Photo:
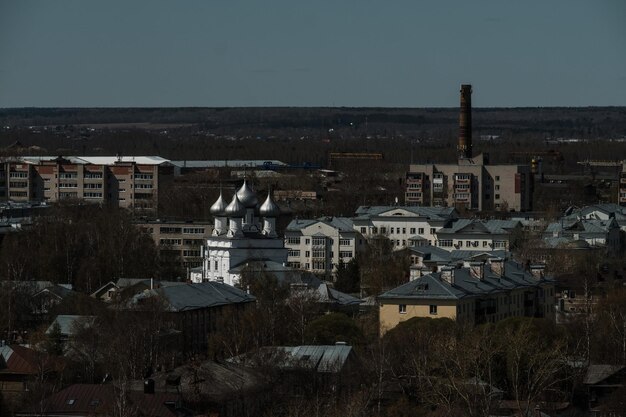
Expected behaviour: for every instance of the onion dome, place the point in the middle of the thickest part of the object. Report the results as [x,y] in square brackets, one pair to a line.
[235,208]
[246,196]
[269,208]
[218,208]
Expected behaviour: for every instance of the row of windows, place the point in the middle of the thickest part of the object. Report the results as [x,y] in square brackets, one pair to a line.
[92,195]
[193,230]
[431,308]
[144,186]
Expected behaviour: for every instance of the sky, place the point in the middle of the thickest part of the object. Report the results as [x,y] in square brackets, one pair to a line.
[365,53]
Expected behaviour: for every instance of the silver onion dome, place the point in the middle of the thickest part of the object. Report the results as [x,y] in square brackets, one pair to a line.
[218,208]
[269,208]
[235,208]
[247,197]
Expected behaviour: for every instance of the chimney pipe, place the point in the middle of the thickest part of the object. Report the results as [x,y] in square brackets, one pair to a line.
[465,122]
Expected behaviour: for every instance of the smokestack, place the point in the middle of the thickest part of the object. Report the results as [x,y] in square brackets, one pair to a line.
[465,122]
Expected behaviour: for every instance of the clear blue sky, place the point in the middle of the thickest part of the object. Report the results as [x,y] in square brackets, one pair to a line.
[311,53]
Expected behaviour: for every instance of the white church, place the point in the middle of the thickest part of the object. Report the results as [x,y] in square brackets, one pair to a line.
[239,237]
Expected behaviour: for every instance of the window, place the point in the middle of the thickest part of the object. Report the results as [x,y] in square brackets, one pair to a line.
[143,176]
[169,230]
[190,252]
[397,230]
[344,242]
[433,309]
[484,243]
[293,253]
[445,243]
[93,175]
[319,265]
[92,195]
[420,231]
[70,401]
[144,186]
[497,178]
[383,230]
[171,242]
[96,185]
[293,240]
[319,253]
[307,254]
[433,231]
[404,230]
[216,265]
[460,243]
[307,241]
[497,196]
[345,254]
[412,230]
[402,308]
[391,230]
[375,230]
[193,230]
[363,230]
[497,187]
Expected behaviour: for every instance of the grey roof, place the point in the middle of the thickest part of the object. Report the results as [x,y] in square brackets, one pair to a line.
[319,358]
[432,253]
[466,284]
[466,254]
[480,226]
[610,209]
[598,373]
[318,288]
[581,226]
[223,163]
[435,213]
[67,323]
[343,224]
[203,295]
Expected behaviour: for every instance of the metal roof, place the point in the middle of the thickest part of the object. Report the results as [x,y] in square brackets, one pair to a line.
[90,399]
[598,373]
[203,295]
[67,323]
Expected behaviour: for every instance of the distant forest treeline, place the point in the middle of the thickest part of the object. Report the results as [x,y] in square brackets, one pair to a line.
[299,135]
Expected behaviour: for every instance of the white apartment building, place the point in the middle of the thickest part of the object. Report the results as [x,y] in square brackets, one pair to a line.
[403,224]
[318,245]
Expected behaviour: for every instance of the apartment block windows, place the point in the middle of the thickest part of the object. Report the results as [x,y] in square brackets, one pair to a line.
[433,309]
[345,254]
[446,243]
[319,241]
[293,253]
[412,230]
[420,231]
[344,242]
[307,254]
[319,253]
[402,308]
[143,176]
[293,240]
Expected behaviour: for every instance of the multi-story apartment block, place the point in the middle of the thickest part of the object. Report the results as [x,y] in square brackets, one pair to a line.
[128,182]
[403,224]
[318,245]
[471,183]
[179,240]
[474,293]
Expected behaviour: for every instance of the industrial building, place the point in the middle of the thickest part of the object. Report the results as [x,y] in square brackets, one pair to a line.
[472,183]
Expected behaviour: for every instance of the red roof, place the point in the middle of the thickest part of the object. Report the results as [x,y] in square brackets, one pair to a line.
[23,361]
[92,399]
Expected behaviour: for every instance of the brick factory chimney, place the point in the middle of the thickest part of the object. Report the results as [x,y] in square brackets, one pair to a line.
[465,122]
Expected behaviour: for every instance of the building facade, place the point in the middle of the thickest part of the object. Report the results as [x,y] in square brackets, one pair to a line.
[319,245]
[475,293]
[127,182]
[471,184]
[179,241]
[403,224]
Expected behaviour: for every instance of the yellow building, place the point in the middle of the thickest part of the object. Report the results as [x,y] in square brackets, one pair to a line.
[474,293]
